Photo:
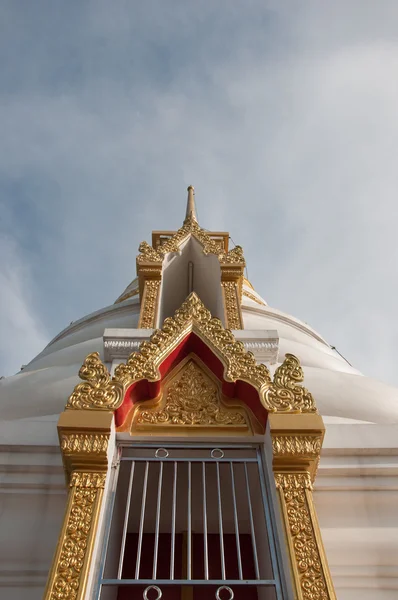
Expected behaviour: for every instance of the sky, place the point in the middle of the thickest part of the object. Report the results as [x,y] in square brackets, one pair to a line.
[283,115]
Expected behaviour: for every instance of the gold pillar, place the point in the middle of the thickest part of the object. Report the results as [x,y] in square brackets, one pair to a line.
[231,285]
[297,441]
[84,440]
[149,304]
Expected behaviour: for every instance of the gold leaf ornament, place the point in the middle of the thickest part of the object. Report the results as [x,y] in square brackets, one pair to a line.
[192,400]
[285,395]
[98,391]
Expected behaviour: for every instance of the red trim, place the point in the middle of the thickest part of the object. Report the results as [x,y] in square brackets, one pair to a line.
[146,390]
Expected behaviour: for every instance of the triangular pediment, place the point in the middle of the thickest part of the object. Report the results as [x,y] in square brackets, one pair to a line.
[191,398]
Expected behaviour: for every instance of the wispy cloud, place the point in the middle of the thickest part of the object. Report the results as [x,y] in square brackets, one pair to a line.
[283,117]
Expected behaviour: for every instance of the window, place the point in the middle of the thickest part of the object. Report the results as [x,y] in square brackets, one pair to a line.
[190,522]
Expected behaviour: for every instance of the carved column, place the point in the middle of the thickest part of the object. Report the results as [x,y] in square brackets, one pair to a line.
[149,304]
[231,285]
[85,444]
[297,441]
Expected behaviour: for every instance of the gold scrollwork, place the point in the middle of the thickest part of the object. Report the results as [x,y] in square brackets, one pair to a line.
[285,395]
[192,315]
[192,400]
[309,568]
[297,445]
[67,580]
[149,304]
[99,391]
[172,244]
[232,309]
[78,443]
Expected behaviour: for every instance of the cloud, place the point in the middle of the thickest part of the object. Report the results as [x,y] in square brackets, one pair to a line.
[22,334]
[283,117]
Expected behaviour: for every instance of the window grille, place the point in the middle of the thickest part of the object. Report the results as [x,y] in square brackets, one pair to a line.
[189,523]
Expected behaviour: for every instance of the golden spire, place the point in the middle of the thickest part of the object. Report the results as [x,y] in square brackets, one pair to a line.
[191,208]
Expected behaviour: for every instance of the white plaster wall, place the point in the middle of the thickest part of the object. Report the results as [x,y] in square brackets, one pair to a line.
[32,501]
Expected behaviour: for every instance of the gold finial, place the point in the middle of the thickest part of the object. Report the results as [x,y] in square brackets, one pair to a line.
[191,208]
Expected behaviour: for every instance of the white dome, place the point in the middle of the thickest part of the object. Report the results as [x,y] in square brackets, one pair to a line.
[341,392]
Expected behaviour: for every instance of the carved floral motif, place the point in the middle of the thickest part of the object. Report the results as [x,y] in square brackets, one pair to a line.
[296,445]
[285,395]
[192,400]
[240,364]
[172,244]
[231,303]
[295,489]
[85,491]
[99,391]
[84,443]
[149,304]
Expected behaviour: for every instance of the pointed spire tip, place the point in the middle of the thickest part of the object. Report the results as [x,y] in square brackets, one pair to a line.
[191,208]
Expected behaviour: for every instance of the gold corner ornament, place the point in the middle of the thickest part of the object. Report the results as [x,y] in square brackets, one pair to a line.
[285,394]
[310,568]
[193,400]
[68,577]
[100,391]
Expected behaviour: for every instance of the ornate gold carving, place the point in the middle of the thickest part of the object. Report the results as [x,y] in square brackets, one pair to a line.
[88,479]
[285,395]
[297,445]
[148,254]
[232,309]
[192,315]
[149,304]
[192,400]
[234,256]
[309,563]
[190,227]
[253,297]
[103,392]
[77,443]
[67,580]
[100,391]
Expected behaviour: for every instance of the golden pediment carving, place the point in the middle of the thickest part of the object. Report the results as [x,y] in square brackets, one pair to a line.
[191,399]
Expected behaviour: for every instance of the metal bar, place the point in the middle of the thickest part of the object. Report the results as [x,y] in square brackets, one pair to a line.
[190,582]
[189,515]
[155,551]
[205,543]
[191,460]
[108,520]
[126,522]
[184,446]
[223,574]
[252,525]
[236,522]
[173,522]
[143,501]
[268,523]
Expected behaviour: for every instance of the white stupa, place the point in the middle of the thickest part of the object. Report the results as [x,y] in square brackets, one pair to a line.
[356,490]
